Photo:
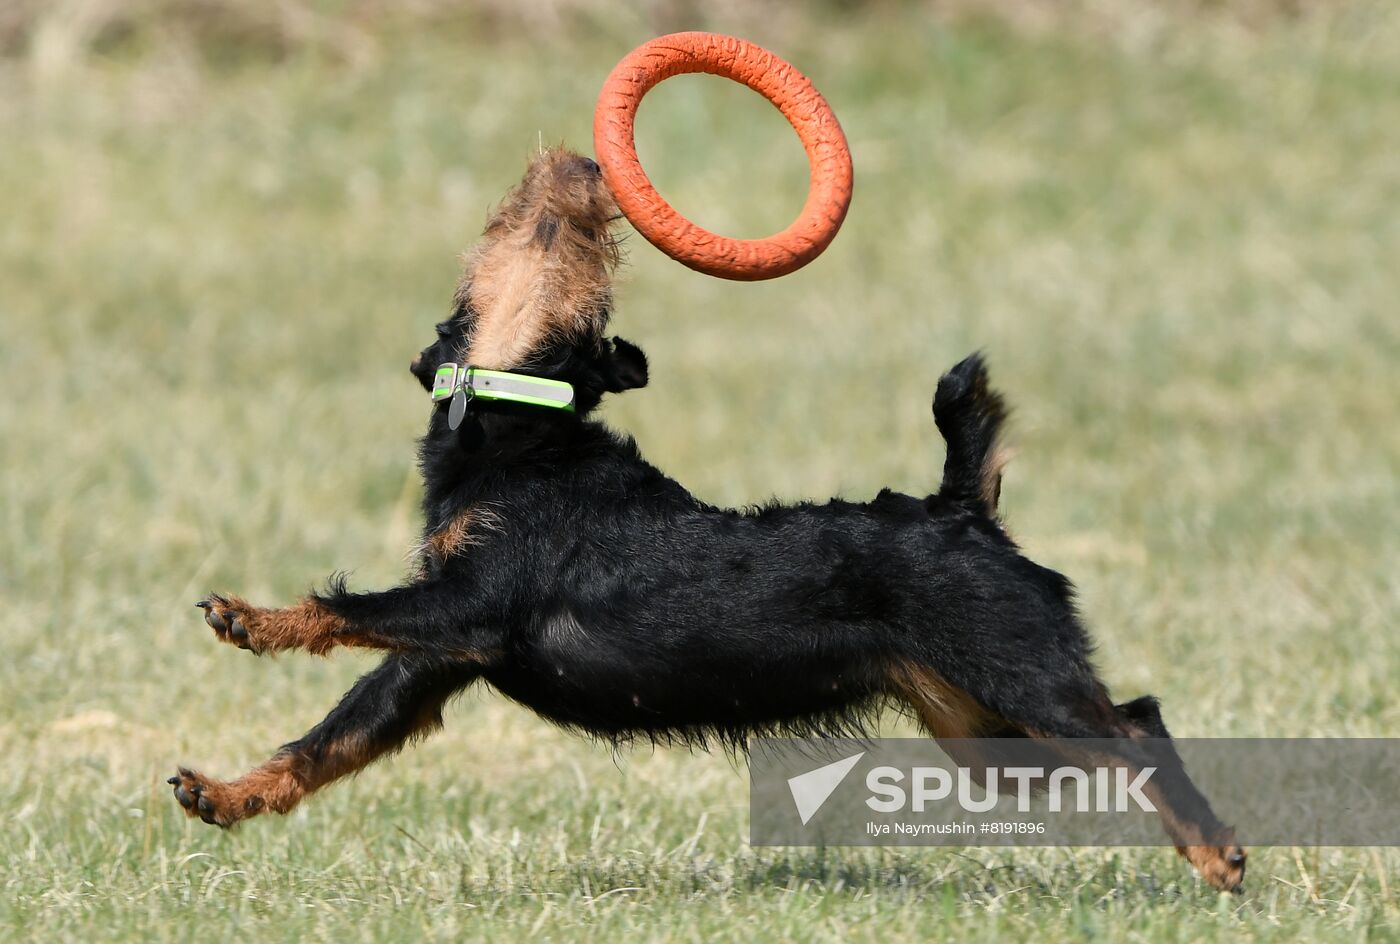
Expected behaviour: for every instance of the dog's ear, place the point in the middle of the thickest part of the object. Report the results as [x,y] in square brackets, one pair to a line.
[623,366]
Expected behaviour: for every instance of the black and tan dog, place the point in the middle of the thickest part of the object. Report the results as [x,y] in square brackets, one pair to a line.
[566,572]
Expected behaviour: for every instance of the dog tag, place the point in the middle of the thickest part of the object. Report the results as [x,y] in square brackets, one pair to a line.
[457,409]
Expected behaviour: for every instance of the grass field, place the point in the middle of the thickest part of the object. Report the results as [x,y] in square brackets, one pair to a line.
[1175,235]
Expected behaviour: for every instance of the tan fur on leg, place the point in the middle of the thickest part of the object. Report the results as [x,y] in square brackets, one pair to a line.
[307,625]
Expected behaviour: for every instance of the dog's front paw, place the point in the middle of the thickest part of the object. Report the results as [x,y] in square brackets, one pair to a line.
[230,618]
[212,801]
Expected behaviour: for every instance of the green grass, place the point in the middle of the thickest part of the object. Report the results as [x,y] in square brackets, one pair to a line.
[1176,239]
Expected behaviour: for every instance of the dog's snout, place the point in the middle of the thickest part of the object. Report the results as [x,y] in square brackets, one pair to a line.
[585,166]
[416,363]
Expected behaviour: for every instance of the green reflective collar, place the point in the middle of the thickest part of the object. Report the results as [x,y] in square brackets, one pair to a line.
[474,383]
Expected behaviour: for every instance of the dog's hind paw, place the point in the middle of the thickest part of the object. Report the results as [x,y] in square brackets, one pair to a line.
[1222,866]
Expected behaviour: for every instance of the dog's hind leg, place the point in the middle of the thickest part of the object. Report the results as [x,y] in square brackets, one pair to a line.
[1130,736]
[432,616]
[1133,737]
[400,700]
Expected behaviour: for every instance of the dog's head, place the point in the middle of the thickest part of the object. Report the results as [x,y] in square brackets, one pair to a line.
[537,290]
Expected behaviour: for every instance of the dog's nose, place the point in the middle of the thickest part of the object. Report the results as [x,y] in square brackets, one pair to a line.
[587,166]
[415,364]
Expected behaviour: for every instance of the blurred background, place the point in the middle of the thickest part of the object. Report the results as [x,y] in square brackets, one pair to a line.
[226,227]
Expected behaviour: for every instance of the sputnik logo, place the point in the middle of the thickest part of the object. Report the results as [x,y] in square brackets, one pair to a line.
[815,787]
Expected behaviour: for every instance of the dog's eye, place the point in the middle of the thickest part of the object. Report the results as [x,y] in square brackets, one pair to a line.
[443,330]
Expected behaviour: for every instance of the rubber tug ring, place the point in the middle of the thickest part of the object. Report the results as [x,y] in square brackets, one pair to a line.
[828,156]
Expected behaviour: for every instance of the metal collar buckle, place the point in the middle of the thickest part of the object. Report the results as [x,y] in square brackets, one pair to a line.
[447,379]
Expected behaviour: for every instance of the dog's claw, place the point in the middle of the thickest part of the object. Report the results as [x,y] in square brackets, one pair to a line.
[226,618]
[210,801]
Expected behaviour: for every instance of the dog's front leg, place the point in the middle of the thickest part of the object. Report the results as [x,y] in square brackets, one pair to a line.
[428,616]
[307,624]
[400,700]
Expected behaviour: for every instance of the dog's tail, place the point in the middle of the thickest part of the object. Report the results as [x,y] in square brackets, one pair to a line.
[970,414]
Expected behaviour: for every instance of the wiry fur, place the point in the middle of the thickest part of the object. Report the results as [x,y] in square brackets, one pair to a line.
[543,271]
[609,600]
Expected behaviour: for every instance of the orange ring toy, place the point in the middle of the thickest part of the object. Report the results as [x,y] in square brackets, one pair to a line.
[776,80]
